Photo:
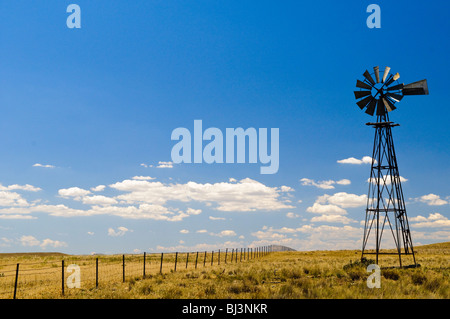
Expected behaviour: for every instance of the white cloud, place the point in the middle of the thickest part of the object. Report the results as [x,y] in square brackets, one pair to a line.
[192,211]
[43,165]
[324,184]
[119,232]
[355,161]
[17,216]
[292,215]
[216,218]
[98,188]
[26,187]
[147,199]
[165,165]
[201,231]
[224,233]
[143,178]
[246,195]
[12,199]
[75,192]
[184,231]
[146,165]
[332,219]
[387,179]
[31,241]
[432,200]
[326,209]
[52,243]
[343,199]
[98,200]
[433,220]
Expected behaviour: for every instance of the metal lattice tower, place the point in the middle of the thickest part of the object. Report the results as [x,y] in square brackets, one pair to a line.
[385,210]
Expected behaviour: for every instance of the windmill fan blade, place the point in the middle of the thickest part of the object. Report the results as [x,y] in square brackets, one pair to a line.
[396,76]
[364,101]
[381,110]
[394,96]
[360,94]
[386,72]
[395,87]
[390,80]
[371,107]
[369,77]
[416,88]
[377,73]
[363,85]
[388,104]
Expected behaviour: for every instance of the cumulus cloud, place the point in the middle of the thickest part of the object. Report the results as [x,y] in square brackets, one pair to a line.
[329,184]
[98,188]
[331,207]
[30,241]
[326,209]
[432,200]
[144,198]
[292,215]
[387,179]
[332,219]
[192,211]
[184,231]
[246,195]
[43,165]
[26,187]
[143,178]
[433,220]
[165,165]
[355,161]
[343,199]
[216,218]
[119,232]
[224,233]
[74,192]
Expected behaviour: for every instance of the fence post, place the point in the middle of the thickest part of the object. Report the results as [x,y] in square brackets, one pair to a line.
[236,254]
[123,268]
[160,267]
[232,252]
[226,252]
[187,259]
[212,257]
[62,277]
[96,272]
[15,283]
[196,259]
[204,259]
[240,256]
[176,257]
[144,266]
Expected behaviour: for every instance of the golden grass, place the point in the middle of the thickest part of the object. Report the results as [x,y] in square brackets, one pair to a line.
[281,275]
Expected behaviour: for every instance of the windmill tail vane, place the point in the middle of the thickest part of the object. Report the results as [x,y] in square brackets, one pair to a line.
[385,211]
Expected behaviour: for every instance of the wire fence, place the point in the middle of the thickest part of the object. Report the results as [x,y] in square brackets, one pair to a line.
[48,276]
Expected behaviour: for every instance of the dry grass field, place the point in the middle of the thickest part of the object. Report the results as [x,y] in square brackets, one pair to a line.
[279,275]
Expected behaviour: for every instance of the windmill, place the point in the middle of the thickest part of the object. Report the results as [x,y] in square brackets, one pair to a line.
[385,211]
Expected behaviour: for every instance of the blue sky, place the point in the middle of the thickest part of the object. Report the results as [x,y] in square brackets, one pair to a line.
[92,105]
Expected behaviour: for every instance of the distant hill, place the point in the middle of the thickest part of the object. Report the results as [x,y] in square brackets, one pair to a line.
[280,248]
[5,255]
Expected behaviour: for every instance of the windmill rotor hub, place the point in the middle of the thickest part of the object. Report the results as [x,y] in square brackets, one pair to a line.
[378,93]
